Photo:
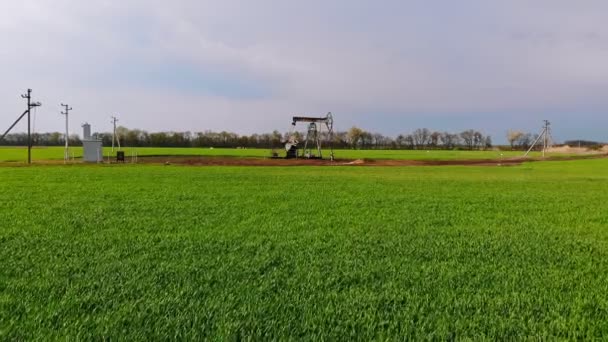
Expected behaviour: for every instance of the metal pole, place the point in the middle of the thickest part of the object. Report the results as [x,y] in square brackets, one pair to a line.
[545,140]
[29,133]
[30,105]
[66,153]
[67,136]
[534,143]
[114,119]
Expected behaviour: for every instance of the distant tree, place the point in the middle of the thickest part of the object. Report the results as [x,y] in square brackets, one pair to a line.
[158,139]
[378,140]
[55,139]
[409,142]
[478,140]
[468,137]
[421,137]
[488,142]
[340,140]
[276,138]
[525,140]
[434,139]
[513,137]
[131,138]
[121,133]
[366,140]
[74,140]
[400,141]
[354,136]
[449,140]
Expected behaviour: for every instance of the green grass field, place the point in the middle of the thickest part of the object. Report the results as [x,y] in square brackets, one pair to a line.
[136,252]
[14,154]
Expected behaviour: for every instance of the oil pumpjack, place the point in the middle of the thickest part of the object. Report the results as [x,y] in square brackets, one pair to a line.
[314,137]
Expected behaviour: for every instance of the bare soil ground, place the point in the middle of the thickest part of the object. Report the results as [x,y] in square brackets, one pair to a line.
[235,161]
[252,161]
[572,150]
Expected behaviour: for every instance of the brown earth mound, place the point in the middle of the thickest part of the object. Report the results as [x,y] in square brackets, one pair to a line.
[571,150]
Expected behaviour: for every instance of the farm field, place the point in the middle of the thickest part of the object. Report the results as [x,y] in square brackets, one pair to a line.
[145,252]
[15,154]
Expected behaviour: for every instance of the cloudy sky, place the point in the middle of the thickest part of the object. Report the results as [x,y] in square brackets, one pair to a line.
[248,66]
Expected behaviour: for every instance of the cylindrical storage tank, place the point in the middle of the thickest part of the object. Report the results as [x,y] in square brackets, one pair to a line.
[86,132]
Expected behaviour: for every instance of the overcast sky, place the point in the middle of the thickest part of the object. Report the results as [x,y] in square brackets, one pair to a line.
[248,66]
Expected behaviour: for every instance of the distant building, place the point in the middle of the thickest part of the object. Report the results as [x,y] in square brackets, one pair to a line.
[92,148]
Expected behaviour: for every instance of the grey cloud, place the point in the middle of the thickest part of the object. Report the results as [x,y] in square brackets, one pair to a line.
[411,59]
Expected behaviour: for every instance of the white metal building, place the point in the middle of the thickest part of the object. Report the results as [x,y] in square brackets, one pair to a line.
[92,148]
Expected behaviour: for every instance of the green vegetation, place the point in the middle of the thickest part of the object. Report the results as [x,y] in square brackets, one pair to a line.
[335,253]
[12,154]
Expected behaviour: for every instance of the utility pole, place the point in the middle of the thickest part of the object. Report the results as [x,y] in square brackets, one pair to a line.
[114,136]
[30,105]
[66,154]
[545,135]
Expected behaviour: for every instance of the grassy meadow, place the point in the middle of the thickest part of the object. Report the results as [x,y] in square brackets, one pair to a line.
[143,252]
[19,154]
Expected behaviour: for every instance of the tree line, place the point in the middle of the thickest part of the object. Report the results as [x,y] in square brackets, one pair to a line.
[354,138]
[519,140]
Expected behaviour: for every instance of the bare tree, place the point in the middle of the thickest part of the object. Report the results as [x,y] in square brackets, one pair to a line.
[379,140]
[409,141]
[354,136]
[400,141]
[478,139]
[366,139]
[468,137]
[513,136]
[488,142]
[434,139]
[449,140]
[421,137]
[525,140]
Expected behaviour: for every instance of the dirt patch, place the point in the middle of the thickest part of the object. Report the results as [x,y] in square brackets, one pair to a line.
[236,161]
[572,150]
[466,162]
[356,162]
[233,161]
